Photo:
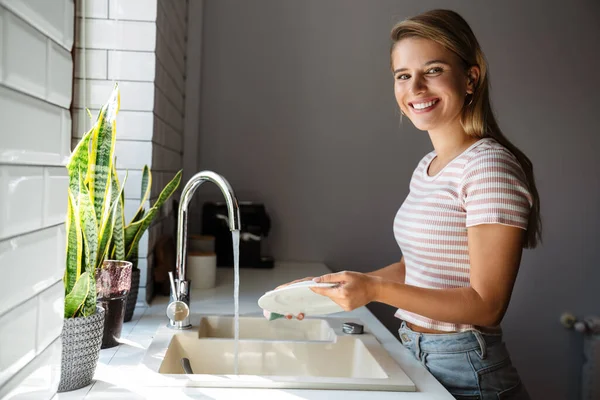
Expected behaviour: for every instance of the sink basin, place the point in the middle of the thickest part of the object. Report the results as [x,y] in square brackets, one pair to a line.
[261,328]
[348,357]
[308,354]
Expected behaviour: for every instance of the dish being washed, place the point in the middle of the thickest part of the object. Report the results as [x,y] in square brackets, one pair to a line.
[297,298]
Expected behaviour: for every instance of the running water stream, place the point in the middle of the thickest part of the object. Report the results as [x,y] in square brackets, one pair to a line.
[235,236]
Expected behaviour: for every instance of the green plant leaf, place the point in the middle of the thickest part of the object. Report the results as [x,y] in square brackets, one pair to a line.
[75,300]
[107,231]
[89,305]
[168,190]
[74,245]
[78,161]
[145,194]
[134,232]
[118,239]
[101,157]
[89,226]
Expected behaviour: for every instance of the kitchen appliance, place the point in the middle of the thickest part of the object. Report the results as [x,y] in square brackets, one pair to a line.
[255,226]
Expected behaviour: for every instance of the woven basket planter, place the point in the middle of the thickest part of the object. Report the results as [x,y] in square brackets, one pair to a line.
[81,339]
[133,294]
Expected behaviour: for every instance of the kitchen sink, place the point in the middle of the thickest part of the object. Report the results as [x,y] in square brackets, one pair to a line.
[261,328]
[308,354]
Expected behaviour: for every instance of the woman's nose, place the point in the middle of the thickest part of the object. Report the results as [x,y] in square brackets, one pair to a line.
[417,85]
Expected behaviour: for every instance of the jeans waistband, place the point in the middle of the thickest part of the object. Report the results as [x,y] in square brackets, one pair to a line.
[450,342]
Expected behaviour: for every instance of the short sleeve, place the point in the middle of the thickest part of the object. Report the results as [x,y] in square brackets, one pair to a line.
[494,190]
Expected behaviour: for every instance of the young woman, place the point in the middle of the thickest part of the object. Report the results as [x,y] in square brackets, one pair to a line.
[472,207]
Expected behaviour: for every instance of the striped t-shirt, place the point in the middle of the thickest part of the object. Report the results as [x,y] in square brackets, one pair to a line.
[483,185]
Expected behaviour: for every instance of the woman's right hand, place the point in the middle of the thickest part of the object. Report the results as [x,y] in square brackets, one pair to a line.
[308,278]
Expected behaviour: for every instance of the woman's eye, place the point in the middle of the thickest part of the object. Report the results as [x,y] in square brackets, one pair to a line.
[402,77]
[435,70]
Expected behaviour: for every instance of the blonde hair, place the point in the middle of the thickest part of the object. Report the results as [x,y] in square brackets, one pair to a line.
[450,30]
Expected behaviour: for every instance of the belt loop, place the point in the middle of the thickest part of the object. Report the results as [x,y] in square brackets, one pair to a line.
[482,344]
[418,345]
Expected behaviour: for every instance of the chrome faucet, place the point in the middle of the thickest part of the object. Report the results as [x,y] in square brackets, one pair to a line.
[182,286]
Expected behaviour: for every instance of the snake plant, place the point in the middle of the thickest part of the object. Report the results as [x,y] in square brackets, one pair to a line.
[127,238]
[94,200]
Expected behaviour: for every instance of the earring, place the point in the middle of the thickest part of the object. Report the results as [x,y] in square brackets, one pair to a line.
[470,102]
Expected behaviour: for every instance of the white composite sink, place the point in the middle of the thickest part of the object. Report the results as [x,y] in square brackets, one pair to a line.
[221,326]
[308,354]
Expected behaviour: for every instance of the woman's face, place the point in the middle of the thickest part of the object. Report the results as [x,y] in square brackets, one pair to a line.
[430,83]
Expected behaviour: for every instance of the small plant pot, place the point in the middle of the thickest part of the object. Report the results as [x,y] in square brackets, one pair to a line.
[133,294]
[81,340]
[113,282]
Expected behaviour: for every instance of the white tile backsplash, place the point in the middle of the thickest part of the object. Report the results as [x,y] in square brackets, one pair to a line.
[55,195]
[50,315]
[41,255]
[24,56]
[93,8]
[131,207]
[133,155]
[131,125]
[133,185]
[22,345]
[22,199]
[131,65]
[135,10]
[2,34]
[52,18]
[32,130]
[39,379]
[118,35]
[135,96]
[96,64]
[36,70]
[60,75]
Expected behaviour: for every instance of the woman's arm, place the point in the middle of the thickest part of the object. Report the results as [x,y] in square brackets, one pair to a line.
[393,272]
[495,253]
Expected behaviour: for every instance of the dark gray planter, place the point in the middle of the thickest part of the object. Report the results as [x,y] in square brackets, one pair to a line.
[81,339]
[133,294]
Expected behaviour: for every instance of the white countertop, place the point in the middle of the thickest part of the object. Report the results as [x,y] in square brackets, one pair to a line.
[118,363]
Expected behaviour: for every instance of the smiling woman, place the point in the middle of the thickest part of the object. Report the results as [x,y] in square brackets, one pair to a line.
[472,208]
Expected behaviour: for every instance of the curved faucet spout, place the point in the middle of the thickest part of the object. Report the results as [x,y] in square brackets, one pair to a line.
[182,216]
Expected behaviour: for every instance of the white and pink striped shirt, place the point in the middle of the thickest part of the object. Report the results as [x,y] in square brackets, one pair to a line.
[483,185]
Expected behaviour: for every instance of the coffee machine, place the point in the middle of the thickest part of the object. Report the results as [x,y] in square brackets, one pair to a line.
[255,226]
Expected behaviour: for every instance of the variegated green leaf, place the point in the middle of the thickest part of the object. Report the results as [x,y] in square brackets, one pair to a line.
[101,157]
[75,298]
[74,245]
[168,190]
[89,305]
[89,226]
[145,194]
[134,231]
[107,231]
[78,161]
[118,238]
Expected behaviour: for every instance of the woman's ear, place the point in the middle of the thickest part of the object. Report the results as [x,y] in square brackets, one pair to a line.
[472,79]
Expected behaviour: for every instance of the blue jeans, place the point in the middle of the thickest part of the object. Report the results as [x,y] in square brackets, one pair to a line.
[470,365]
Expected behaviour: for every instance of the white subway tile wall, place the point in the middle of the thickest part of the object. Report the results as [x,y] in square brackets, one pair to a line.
[92,8]
[36,83]
[141,45]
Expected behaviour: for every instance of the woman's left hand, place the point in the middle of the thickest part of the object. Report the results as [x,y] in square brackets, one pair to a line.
[353,290]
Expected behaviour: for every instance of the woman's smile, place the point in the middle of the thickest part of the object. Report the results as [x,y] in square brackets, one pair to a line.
[424,105]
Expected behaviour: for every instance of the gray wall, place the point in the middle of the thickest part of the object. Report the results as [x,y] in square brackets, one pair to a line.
[298,112]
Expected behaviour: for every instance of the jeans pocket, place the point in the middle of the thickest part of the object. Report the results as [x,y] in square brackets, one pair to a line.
[455,372]
[499,380]
[517,392]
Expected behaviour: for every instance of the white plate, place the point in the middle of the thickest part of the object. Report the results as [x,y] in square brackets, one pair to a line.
[298,298]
